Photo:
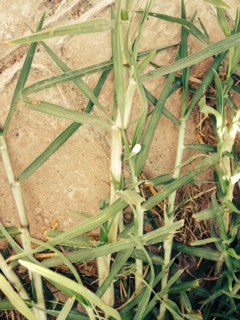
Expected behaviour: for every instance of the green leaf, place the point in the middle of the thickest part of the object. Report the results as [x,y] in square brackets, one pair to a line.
[152,126]
[63,315]
[85,254]
[61,112]
[191,28]
[209,51]
[223,22]
[184,286]
[163,194]
[205,253]
[201,147]
[219,4]
[15,299]
[117,265]
[12,231]
[71,287]
[22,80]
[232,253]
[204,241]
[82,241]
[165,111]
[81,85]
[63,137]
[92,26]
[172,307]
[119,79]
[131,197]
[65,77]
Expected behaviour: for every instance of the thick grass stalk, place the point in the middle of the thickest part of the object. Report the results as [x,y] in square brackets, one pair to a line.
[26,243]
[225,165]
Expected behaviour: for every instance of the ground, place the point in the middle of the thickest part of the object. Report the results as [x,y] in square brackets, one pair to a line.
[77,177]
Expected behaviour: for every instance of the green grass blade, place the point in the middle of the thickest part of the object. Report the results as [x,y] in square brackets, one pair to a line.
[223,22]
[143,303]
[63,137]
[191,28]
[205,253]
[12,231]
[117,265]
[119,78]
[64,313]
[209,51]
[81,85]
[152,237]
[171,282]
[50,150]
[6,305]
[187,178]
[65,77]
[92,26]
[208,79]
[204,215]
[184,286]
[152,126]
[61,112]
[15,299]
[61,256]
[219,4]
[201,147]
[165,111]
[21,80]
[71,287]
[204,241]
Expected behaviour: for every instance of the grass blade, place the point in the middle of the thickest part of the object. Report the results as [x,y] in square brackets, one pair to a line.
[92,26]
[21,80]
[163,194]
[15,299]
[71,288]
[63,137]
[61,112]
[82,86]
[64,313]
[195,58]
[155,117]
[219,3]
[191,28]
[118,263]
[65,77]
[205,253]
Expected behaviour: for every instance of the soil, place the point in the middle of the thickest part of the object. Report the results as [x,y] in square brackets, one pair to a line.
[76,178]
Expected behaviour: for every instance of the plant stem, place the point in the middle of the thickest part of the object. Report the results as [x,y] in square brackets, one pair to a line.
[26,243]
[169,215]
[13,278]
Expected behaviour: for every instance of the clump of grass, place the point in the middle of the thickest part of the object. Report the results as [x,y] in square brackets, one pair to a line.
[184,266]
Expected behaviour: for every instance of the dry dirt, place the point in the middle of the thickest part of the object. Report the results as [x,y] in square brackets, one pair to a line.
[77,176]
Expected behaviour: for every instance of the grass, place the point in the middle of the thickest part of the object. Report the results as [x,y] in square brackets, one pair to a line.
[178,257]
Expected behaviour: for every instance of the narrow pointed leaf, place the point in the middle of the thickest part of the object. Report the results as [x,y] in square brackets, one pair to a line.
[219,3]
[195,58]
[81,85]
[63,137]
[65,77]
[92,26]
[22,80]
[61,112]
[15,299]
[71,286]
[64,313]
[163,194]
[186,24]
